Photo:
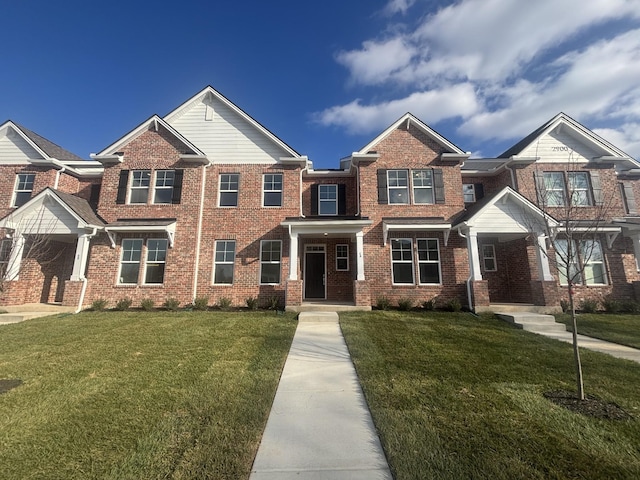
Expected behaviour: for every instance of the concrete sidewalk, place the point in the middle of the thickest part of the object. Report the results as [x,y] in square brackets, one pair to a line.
[619,351]
[320,426]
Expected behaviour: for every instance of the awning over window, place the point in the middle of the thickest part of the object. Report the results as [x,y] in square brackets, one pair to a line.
[163,225]
[415,224]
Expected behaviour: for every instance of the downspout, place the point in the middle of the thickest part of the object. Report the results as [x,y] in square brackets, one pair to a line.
[63,168]
[83,290]
[468,282]
[513,175]
[199,230]
[305,169]
[357,188]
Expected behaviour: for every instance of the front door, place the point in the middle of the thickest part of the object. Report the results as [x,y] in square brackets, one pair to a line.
[314,272]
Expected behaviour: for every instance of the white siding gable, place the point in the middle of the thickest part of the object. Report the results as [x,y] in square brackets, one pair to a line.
[223,135]
[16,150]
[504,217]
[559,146]
[45,217]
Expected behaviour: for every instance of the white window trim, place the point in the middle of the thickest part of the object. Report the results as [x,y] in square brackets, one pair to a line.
[592,262]
[342,258]
[588,189]
[220,191]
[215,263]
[430,261]
[155,186]
[581,263]
[473,192]
[122,261]
[407,187]
[15,188]
[490,257]
[132,188]
[281,191]
[559,188]
[147,262]
[413,273]
[420,187]
[320,200]
[270,263]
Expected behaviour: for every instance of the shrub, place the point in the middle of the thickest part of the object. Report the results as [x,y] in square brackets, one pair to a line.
[201,303]
[123,304]
[224,302]
[453,305]
[429,304]
[383,303]
[171,304]
[630,307]
[273,302]
[612,306]
[405,304]
[252,303]
[565,306]
[99,304]
[589,306]
[147,304]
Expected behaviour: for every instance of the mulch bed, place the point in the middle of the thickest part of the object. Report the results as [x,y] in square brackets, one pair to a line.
[7,384]
[590,406]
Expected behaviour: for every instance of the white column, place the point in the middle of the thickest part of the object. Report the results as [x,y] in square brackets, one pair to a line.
[636,249]
[543,259]
[360,255]
[474,256]
[293,256]
[80,259]
[15,258]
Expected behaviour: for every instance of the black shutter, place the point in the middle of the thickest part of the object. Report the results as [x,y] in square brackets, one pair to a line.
[342,199]
[540,187]
[314,199]
[94,195]
[630,198]
[479,190]
[122,186]
[596,188]
[177,186]
[382,186]
[438,183]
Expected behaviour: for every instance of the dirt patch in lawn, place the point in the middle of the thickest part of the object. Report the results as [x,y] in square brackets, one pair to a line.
[8,384]
[591,406]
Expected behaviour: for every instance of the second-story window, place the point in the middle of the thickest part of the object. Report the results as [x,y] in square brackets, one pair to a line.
[578,184]
[140,181]
[229,183]
[23,189]
[163,190]
[558,189]
[469,193]
[328,199]
[422,186]
[398,185]
[272,190]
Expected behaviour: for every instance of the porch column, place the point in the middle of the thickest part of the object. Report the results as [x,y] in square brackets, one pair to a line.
[15,257]
[293,256]
[543,259]
[636,249]
[360,255]
[80,259]
[474,255]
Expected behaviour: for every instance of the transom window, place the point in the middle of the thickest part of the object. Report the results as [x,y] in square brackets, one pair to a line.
[422,186]
[272,190]
[23,188]
[270,260]
[163,192]
[429,260]
[229,183]
[398,186]
[328,199]
[570,259]
[224,261]
[342,257]
[402,261]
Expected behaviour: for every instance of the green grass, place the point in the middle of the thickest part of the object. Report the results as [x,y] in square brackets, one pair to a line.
[617,328]
[137,395]
[454,396]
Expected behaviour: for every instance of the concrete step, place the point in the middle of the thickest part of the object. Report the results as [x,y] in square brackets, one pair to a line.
[52,308]
[533,322]
[520,308]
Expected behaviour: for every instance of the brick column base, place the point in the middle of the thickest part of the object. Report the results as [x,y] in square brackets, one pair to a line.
[72,290]
[293,294]
[361,293]
[545,293]
[480,292]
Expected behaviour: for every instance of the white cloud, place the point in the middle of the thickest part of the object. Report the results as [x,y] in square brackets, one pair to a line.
[398,6]
[626,137]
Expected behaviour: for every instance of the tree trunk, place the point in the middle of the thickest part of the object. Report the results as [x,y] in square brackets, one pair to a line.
[576,351]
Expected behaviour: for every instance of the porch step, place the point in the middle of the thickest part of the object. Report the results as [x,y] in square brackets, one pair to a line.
[20,313]
[326,307]
[533,322]
[519,308]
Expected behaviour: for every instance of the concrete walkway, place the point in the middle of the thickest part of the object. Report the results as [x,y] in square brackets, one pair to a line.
[597,345]
[320,426]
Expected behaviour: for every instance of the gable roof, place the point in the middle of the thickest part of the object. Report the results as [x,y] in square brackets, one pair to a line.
[450,147]
[45,147]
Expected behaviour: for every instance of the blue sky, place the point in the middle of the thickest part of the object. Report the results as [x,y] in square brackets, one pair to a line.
[326,77]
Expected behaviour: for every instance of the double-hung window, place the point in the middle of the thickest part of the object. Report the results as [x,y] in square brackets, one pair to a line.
[579,191]
[342,257]
[272,190]
[229,183]
[429,260]
[224,261]
[270,260]
[402,261]
[130,261]
[328,199]
[163,191]
[398,186]
[558,189]
[140,181]
[156,259]
[489,258]
[422,186]
[469,192]
[593,259]
[574,256]
[5,254]
[23,188]
[554,192]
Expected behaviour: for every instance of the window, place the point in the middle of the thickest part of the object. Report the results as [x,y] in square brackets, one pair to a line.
[328,199]
[469,193]
[422,186]
[272,190]
[224,261]
[489,258]
[140,180]
[342,257]
[553,189]
[556,189]
[163,192]
[578,183]
[156,258]
[429,260]
[229,189]
[589,256]
[130,262]
[270,258]
[5,255]
[23,189]
[402,261]
[398,185]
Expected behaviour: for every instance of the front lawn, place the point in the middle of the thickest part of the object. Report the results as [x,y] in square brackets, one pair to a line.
[139,395]
[618,328]
[454,396]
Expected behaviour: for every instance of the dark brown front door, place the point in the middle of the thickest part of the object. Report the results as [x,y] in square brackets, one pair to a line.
[314,275]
